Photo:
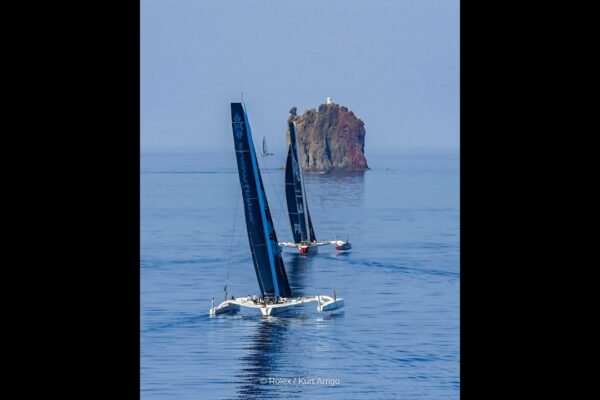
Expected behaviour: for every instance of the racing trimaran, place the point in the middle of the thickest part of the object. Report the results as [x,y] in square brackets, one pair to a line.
[295,193]
[276,294]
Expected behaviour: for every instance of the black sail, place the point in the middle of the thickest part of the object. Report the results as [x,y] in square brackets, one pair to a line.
[300,221]
[266,254]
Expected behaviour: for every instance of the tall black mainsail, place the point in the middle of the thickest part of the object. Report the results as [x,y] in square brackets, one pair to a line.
[266,254]
[295,194]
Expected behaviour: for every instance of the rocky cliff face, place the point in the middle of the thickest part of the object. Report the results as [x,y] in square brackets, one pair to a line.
[330,138]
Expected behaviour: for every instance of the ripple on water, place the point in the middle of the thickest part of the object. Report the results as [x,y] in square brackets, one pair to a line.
[398,334]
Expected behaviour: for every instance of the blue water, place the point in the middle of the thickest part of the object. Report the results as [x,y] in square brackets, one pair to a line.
[398,337]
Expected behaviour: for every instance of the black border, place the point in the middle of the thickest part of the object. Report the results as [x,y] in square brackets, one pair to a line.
[91,177]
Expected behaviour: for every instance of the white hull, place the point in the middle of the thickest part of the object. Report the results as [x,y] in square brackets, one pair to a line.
[285,306]
[304,247]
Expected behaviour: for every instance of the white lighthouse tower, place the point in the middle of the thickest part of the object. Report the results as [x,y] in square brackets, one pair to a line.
[328,101]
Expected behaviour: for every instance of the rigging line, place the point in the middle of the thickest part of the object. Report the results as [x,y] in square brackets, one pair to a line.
[237,200]
[280,209]
[237,244]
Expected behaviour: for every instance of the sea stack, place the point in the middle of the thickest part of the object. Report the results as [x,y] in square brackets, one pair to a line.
[330,138]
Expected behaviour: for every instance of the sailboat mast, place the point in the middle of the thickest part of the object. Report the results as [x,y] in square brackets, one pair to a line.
[297,155]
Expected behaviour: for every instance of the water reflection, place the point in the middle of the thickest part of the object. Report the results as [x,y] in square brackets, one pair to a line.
[263,359]
[341,188]
[298,266]
[343,254]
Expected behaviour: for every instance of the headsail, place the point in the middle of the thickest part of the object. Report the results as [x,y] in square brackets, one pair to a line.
[295,194]
[266,254]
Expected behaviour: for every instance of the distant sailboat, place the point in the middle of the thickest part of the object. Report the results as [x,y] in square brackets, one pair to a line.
[276,294]
[265,152]
[295,193]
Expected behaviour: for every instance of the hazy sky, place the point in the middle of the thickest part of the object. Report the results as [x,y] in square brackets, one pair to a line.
[394,63]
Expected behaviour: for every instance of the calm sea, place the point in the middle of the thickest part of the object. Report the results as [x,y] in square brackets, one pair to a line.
[398,337]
